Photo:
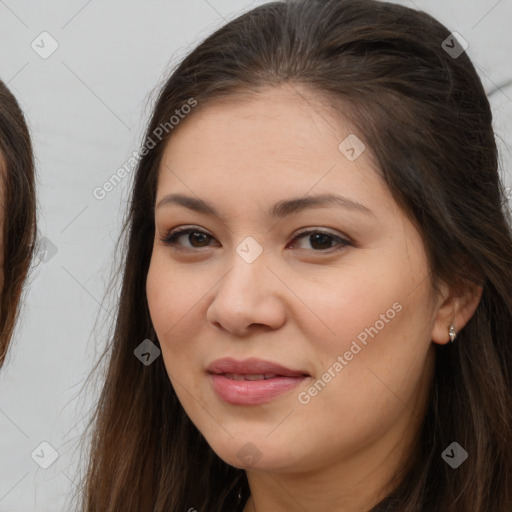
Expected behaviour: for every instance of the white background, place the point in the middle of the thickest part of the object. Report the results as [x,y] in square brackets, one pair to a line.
[87,105]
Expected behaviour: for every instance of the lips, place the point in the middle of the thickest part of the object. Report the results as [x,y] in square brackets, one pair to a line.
[259,376]
[252,367]
[252,381]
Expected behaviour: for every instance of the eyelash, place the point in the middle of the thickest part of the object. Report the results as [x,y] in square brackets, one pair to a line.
[172,236]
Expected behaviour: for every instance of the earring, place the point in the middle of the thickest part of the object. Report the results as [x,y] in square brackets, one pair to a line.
[452,333]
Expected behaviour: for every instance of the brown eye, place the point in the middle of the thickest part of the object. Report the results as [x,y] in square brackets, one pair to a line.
[195,237]
[321,240]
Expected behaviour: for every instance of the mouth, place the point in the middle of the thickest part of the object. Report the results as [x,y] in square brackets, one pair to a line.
[252,381]
[252,369]
[257,376]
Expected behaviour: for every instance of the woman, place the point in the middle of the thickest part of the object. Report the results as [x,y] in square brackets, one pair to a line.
[17,213]
[316,297]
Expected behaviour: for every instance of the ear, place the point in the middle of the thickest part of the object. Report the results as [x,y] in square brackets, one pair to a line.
[455,305]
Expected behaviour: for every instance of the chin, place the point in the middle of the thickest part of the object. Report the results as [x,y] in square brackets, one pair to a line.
[258,455]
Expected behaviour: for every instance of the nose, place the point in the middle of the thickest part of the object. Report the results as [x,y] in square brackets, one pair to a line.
[250,296]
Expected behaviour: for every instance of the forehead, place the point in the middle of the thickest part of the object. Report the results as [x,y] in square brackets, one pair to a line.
[287,129]
[274,118]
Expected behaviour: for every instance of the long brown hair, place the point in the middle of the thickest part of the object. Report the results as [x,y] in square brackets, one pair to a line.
[18,204]
[424,113]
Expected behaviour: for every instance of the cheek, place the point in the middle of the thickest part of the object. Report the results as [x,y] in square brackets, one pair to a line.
[380,324]
[167,303]
[174,299]
[383,356]
[171,292]
[359,305]
[158,292]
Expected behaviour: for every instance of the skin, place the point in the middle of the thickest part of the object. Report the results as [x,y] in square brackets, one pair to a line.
[299,303]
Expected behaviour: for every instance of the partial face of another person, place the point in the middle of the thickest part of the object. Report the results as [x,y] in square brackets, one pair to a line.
[338,293]
[17,212]
[2,219]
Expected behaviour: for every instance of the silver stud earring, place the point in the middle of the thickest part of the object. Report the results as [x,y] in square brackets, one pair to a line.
[452,333]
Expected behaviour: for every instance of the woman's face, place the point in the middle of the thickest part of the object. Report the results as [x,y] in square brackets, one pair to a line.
[347,309]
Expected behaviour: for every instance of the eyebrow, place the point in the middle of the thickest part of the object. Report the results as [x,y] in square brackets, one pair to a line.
[278,210]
